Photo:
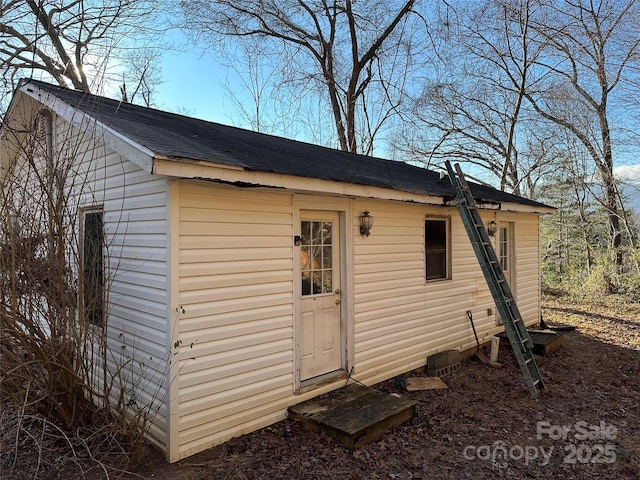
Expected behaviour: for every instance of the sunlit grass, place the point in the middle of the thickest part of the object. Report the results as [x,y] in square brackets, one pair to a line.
[609,318]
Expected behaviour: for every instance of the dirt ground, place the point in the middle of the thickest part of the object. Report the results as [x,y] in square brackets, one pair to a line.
[586,425]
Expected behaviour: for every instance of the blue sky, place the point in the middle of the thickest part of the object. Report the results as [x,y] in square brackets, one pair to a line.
[193,84]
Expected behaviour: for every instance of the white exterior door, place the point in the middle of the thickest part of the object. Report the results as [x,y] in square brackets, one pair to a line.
[320,295]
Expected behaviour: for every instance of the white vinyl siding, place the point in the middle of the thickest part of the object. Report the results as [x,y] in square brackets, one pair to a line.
[400,319]
[527,266]
[135,206]
[236,289]
[210,268]
[235,302]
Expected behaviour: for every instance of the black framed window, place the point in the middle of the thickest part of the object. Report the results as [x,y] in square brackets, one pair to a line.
[436,248]
[93,267]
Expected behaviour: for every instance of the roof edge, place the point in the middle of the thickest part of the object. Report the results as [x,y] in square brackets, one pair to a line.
[207,171]
[133,151]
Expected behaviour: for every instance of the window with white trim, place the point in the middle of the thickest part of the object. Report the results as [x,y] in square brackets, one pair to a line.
[436,248]
[503,248]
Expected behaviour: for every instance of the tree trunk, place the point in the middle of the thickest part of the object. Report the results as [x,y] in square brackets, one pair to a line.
[609,185]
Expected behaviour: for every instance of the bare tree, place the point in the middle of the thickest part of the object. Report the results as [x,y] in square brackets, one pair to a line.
[590,50]
[474,110]
[252,100]
[357,55]
[70,41]
[144,73]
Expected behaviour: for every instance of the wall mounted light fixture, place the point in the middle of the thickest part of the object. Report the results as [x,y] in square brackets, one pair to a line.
[366,223]
[492,228]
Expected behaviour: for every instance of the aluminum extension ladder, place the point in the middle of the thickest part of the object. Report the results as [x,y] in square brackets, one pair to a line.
[496,280]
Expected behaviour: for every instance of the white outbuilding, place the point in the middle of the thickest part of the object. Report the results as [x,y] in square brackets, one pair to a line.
[242,262]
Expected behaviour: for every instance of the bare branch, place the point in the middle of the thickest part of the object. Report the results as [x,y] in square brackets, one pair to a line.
[325,40]
[65,39]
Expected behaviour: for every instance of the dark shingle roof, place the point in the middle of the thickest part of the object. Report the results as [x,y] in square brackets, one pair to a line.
[180,137]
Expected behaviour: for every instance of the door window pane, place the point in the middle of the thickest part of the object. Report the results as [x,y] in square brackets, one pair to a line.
[327,257]
[317,282]
[316,257]
[327,281]
[327,233]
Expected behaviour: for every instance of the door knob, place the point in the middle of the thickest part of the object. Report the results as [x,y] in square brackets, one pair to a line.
[337,301]
[338,291]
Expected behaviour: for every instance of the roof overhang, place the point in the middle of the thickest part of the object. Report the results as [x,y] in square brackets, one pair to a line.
[133,151]
[231,175]
[247,178]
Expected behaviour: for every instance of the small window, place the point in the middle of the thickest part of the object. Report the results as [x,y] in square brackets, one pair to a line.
[504,248]
[92,287]
[436,247]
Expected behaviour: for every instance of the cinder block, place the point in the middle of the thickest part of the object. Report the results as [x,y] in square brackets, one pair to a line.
[443,371]
[442,363]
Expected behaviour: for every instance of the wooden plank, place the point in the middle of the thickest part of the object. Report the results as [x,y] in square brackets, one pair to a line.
[354,415]
[425,383]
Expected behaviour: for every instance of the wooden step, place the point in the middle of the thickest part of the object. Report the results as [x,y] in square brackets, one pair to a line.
[353,415]
[544,342]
